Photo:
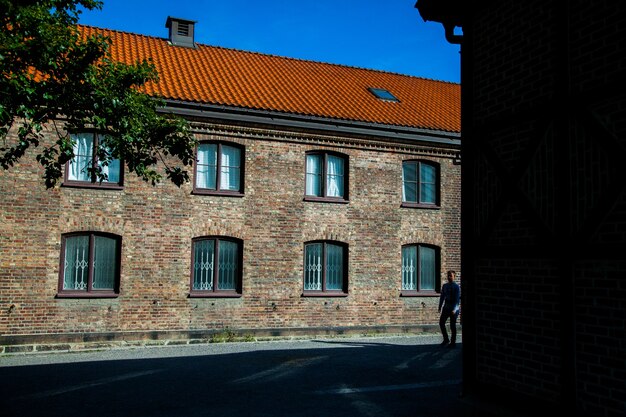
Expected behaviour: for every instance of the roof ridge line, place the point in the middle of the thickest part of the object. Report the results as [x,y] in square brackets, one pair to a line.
[199,44]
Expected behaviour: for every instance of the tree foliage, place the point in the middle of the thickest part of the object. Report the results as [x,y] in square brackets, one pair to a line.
[51,75]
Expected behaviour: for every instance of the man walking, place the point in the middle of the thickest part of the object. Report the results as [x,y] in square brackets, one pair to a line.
[449,302]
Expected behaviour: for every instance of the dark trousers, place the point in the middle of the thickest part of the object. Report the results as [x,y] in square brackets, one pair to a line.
[445,315]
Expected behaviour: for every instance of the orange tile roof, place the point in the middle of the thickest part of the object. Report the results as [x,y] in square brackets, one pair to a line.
[221,76]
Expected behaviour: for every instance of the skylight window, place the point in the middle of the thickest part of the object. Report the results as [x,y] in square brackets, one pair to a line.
[383,94]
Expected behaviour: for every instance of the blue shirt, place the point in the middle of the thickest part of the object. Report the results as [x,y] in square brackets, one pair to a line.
[450,296]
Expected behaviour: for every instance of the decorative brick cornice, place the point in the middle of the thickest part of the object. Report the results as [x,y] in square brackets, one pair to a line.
[214,130]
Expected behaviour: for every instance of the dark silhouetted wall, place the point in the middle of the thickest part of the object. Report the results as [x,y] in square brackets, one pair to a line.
[544,203]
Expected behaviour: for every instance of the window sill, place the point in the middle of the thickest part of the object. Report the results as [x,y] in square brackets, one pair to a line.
[421,206]
[214,294]
[335,200]
[236,194]
[419,294]
[97,186]
[87,295]
[336,294]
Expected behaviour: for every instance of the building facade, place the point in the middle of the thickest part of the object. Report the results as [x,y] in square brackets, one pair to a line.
[314,208]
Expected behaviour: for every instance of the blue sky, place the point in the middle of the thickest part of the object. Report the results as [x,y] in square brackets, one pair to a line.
[387,35]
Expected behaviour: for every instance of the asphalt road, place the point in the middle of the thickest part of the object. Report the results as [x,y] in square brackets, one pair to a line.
[386,376]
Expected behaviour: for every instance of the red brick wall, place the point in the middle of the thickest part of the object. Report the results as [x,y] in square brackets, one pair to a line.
[158,223]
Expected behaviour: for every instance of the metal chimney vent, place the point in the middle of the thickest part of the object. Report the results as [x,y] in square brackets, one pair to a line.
[181,31]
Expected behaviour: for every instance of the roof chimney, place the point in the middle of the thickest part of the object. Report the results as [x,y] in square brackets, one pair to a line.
[181,31]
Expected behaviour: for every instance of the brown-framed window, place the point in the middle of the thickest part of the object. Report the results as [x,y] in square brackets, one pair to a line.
[216,267]
[90,265]
[81,171]
[420,269]
[219,169]
[326,177]
[325,268]
[420,184]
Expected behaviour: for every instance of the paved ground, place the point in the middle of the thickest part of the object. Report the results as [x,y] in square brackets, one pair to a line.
[374,376]
[173,351]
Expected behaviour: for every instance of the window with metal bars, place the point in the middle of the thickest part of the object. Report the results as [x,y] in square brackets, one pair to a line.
[90,265]
[325,268]
[216,267]
[420,269]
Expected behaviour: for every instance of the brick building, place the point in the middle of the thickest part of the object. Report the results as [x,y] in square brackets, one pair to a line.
[325,199]
[544,201]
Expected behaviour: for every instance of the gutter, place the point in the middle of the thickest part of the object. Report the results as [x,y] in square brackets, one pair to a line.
[451,37]
[295,121]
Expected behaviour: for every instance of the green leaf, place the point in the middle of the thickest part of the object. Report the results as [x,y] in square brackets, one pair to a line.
[77,78]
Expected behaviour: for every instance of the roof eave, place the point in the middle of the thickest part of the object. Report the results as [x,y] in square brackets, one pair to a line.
[315,123]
